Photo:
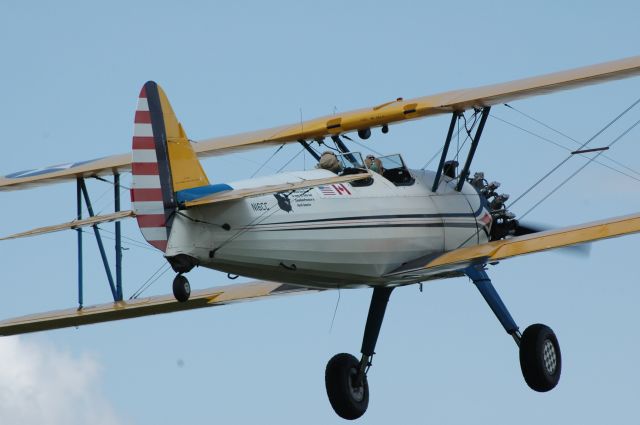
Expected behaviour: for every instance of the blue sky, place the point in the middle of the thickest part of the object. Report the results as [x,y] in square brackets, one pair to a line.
[70,77]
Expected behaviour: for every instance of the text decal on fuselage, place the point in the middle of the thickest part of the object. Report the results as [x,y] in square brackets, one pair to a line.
[260,206]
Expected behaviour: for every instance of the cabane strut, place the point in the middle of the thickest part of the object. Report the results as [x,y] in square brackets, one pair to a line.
[472,150]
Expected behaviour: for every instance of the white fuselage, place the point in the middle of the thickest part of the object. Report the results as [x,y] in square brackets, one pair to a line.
[341,235]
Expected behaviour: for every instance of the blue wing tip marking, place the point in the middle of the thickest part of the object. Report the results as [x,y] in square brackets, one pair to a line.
[51,169]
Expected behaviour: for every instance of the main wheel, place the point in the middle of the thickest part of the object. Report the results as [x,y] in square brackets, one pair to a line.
[181,288]
[540,358]
[348,399]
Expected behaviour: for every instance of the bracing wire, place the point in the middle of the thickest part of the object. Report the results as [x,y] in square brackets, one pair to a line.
[259,219]
[561,146]
[561,163]
[155,276]
[335,311]
[468,130]
[99,198]
[289,162]
[458,147]
[133,243]
[592,159]
[620,164]
[368,148]
[102,179]
[435,155]
[268,159]
[555,189]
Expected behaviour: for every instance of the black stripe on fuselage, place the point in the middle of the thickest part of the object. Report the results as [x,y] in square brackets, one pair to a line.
[361,226]
[380,217]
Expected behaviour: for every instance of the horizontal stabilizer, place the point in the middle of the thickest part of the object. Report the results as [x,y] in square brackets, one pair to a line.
[231,195]
[75,224]
[160,304]
[384,114]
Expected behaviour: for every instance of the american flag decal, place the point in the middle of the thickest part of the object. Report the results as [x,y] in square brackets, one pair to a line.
[334,190]
[486,219]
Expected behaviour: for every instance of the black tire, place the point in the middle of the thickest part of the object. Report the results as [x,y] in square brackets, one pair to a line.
[181,288]
[348,401]
[540,358]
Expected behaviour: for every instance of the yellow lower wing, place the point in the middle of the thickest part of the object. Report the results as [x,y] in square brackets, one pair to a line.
[146,306]
[536,242]
[74,224]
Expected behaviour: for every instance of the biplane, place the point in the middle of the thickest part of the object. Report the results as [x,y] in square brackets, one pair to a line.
[350,222]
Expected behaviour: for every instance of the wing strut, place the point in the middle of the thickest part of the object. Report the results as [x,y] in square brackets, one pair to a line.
[115,286]
[118,235]
[79,231]
[454,117]
[343,148]
[474,144]
[308,148]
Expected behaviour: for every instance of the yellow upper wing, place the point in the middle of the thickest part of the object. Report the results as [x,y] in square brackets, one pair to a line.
[386,113]
[403,110]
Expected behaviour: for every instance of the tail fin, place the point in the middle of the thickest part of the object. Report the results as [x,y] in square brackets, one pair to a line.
[163,163]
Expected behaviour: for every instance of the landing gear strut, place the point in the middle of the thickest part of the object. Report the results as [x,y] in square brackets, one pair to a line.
[345,376]
[540,358]
[181,288]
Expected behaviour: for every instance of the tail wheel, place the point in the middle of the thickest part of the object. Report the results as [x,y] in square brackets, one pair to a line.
[181,288]
[540,358]
[348,398]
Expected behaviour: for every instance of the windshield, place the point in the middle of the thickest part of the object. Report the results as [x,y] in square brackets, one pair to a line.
[351,160]
[392,161]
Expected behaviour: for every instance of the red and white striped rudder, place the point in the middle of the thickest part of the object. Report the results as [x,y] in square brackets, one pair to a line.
[152,196]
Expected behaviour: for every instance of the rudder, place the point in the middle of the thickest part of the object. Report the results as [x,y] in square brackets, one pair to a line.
[163,163]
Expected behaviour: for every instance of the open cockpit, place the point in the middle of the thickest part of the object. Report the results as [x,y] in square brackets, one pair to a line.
[391,167]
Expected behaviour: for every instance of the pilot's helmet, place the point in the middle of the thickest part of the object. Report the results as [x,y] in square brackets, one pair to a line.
[329,161]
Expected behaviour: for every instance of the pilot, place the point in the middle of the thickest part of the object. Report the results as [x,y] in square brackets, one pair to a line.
[450,169]
[373,163]
[329,161]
